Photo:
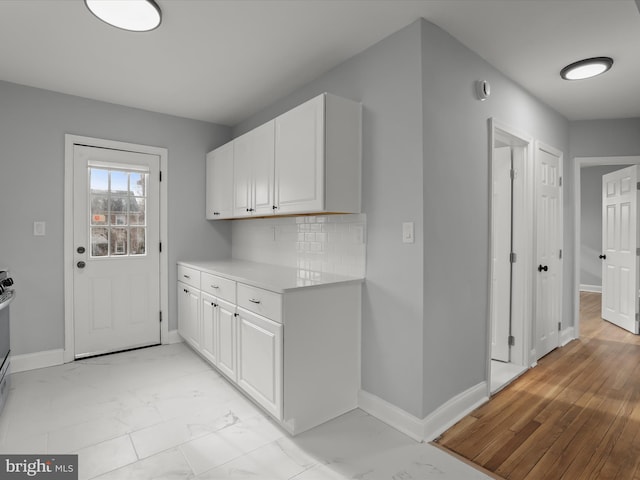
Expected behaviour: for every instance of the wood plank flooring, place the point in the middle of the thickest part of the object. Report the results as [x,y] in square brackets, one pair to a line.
[576,416]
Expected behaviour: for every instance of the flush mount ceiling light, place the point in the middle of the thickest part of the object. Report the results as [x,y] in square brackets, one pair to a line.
[587,68]
[133,15]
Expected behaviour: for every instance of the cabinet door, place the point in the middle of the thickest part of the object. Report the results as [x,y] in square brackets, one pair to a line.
[262,145]
[254,171]
[260,360]
[242,175]
[188,315]
[227,337]
[219,191]
[299,158]
[209,343]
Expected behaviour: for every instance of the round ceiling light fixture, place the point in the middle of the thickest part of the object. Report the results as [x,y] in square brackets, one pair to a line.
[132,15]
[587,68]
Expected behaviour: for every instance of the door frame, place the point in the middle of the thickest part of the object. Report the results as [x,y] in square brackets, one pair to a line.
[578,164]
[69,142]
[522,278]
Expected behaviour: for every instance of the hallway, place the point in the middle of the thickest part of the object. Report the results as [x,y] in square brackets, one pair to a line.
[575,416]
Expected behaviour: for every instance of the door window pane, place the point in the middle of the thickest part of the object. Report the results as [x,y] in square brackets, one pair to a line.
[117,201]
[99,242]
[137,241]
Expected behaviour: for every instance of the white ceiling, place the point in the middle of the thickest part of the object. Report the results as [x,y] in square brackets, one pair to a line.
[224,60]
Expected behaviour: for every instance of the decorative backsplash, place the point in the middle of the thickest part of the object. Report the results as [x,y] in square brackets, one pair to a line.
[313,244]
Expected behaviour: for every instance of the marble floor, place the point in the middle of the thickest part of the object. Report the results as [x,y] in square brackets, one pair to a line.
[163,413]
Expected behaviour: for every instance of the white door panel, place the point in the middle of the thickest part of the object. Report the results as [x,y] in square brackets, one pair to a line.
[619,243]
[548,316]
[116,278]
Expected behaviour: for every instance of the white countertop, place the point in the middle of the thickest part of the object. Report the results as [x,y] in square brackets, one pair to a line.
[270,277]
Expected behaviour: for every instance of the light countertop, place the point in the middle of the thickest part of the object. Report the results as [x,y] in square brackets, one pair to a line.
[270,277]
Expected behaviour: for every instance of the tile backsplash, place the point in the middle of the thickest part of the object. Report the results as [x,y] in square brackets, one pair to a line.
[322,243]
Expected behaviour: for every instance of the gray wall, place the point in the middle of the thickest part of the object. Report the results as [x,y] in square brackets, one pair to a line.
[591,222]
[386,79]
[33,123]
[457,205]
[600,138]
[425,139]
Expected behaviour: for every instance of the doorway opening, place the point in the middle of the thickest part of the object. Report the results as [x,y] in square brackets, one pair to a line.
[510,297]
[588,234]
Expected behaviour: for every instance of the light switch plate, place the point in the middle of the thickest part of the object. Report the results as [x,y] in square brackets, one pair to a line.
[407,232]
[39,228]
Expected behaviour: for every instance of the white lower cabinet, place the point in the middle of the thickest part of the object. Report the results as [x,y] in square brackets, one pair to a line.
[209,311]
[260,360]
[227,340]
[189,320]
[295,354]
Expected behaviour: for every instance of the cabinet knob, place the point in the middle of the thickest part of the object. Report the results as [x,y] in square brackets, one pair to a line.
[216,213]
[275,207]
[253,300]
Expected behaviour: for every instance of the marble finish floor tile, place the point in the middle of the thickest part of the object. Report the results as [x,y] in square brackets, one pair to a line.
[163,413]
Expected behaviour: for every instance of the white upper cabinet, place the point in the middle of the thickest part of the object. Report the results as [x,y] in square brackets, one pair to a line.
[253,172]
[300,158]
[219,203]
[307,160]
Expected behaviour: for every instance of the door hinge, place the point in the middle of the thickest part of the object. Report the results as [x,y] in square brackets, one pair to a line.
[160,175]
[512,174]
[512,341]
[560,254]
[160,246]
[638,251]
[560,181]
[513,258]
[160,316]
[559,326]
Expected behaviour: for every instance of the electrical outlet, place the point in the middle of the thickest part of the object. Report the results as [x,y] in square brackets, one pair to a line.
[39,229]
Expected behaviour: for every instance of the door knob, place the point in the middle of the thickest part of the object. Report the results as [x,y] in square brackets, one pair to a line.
[81,264]
[602,257]
[543,268]
[80,250]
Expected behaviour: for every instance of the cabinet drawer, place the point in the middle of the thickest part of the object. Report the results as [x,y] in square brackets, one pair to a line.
[218,287]
[189,276]
[262,302]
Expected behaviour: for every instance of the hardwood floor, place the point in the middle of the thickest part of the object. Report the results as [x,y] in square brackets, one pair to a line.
[576,416]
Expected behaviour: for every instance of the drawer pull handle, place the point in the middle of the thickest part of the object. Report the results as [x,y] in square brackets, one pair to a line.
[186,276]
[215,286]
[252,300]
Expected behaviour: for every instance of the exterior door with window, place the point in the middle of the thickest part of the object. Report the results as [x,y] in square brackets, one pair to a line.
[116,281]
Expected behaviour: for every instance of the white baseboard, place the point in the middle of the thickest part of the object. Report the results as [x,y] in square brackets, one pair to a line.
[448,414]
[32,361]
[391,415]
[434,424]
[591,288]
[566,336]
[173,337]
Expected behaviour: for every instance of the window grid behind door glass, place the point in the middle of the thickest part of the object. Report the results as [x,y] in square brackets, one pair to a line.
[117,212]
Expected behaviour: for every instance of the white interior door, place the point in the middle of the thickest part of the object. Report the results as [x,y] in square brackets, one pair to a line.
[116,280]
[619,244]
[500,253]
[548,310]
